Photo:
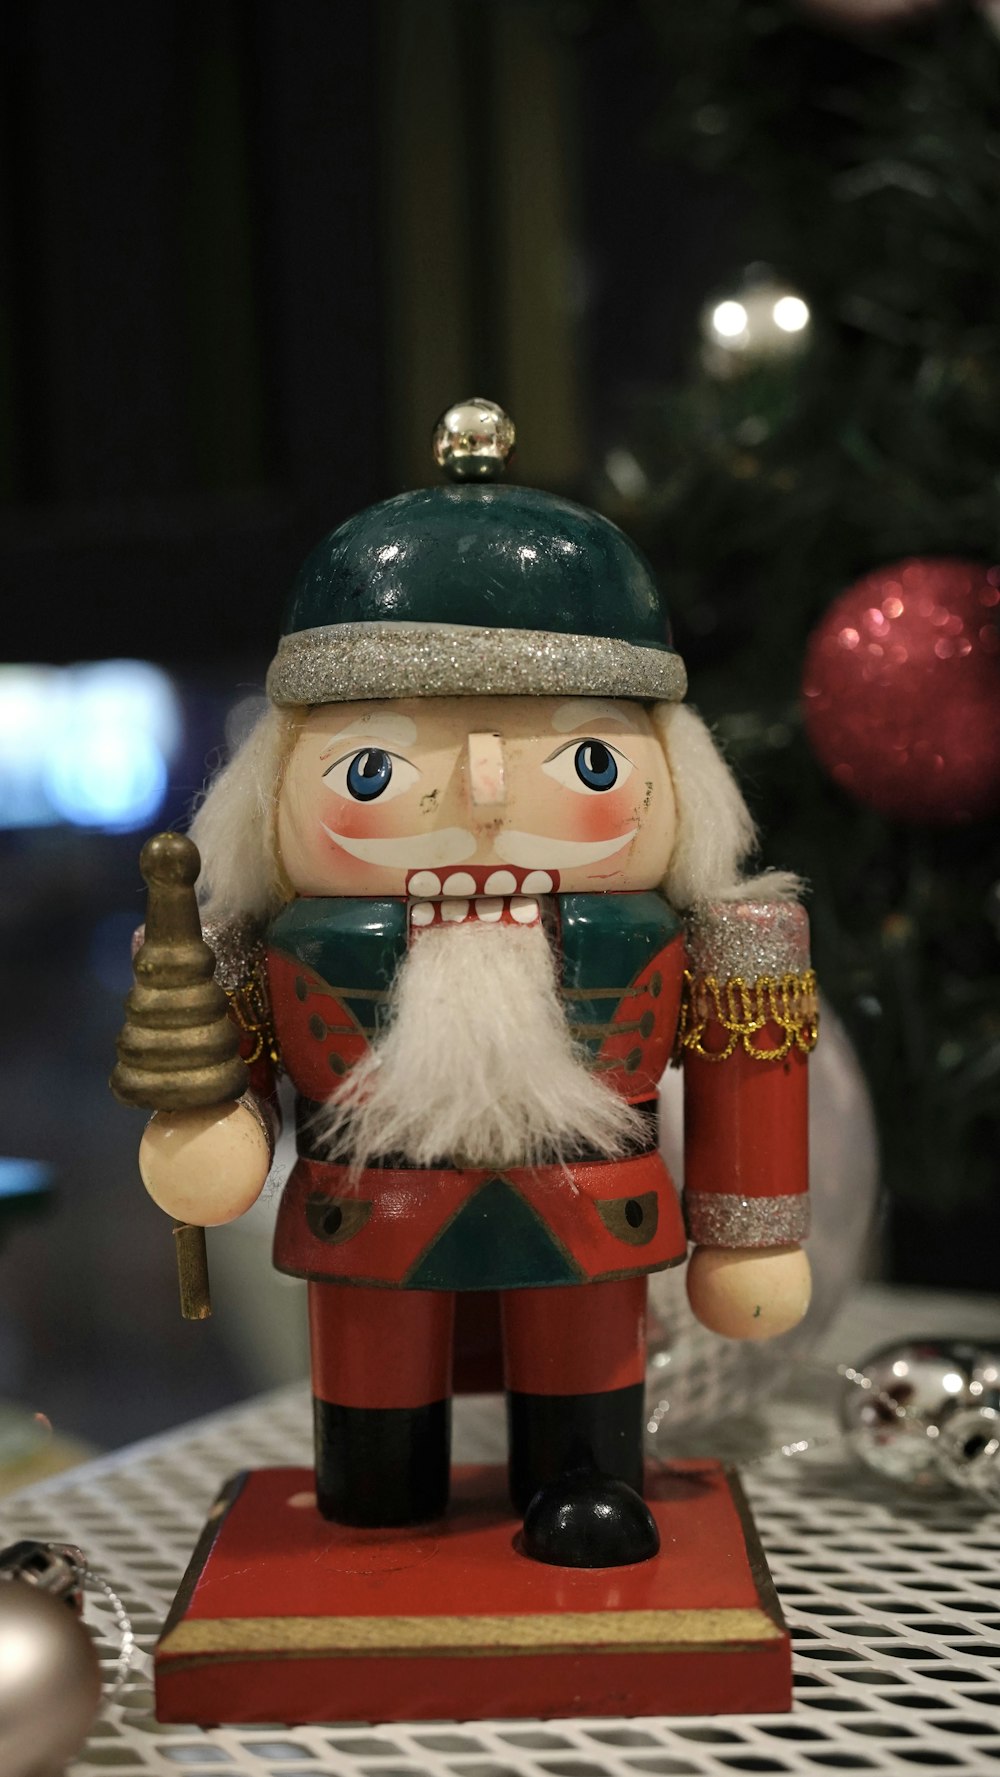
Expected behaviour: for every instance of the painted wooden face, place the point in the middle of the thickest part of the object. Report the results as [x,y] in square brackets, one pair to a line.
[457,796]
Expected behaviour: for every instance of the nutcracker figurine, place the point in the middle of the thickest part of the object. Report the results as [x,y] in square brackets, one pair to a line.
[470,884]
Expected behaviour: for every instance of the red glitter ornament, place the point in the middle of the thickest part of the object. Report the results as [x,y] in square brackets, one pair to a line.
[901,690]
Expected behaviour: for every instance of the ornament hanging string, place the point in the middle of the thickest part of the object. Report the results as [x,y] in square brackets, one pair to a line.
[804,1446]
[836,1440]
[968,1461]
[962,1443]
[94,1582]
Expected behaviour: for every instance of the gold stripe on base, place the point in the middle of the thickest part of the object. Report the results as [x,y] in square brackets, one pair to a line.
[631,1630]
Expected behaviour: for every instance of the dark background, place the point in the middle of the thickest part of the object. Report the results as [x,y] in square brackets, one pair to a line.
[248,251]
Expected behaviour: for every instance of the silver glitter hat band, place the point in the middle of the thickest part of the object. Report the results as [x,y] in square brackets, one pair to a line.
[345,662]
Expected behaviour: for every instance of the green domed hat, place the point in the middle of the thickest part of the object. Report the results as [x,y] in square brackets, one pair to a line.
[475,589]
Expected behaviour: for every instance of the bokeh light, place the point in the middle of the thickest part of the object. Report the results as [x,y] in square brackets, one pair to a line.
[88,745]
[729,319]
[791,314]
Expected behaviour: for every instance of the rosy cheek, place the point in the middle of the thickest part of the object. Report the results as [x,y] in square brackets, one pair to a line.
[362,820]
[602,816]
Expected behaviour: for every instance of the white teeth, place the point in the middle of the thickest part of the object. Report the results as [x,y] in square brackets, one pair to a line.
[524,910]
[422,913]
[454,909]
[537,882]
[424,882]
[489,910]
[502,882]
[460,884]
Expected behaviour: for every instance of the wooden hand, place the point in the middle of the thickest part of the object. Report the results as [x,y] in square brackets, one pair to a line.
[205,1166]
[749,1293]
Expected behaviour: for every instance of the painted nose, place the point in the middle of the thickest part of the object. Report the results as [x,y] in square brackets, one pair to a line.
[485,775]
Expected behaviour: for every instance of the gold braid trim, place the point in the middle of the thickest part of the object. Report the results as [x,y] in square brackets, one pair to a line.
[743,1009]
[250,1005]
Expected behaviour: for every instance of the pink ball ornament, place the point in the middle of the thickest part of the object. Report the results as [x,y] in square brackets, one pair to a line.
[901,690]
[860,15]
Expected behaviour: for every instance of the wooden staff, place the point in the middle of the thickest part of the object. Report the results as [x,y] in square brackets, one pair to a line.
[178,1049]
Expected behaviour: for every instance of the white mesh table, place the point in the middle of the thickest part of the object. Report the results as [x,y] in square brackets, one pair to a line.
[894,1607]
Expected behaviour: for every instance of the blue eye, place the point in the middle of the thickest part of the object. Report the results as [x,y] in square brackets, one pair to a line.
[368,774]
[587,766]
[595,765]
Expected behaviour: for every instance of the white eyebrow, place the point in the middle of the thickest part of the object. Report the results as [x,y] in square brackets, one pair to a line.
[582,712]
[399,730]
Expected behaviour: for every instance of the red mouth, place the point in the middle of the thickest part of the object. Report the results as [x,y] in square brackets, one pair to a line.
[469,880]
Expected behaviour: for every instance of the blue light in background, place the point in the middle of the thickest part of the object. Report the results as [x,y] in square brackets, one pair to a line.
[106,779]
[25,713]
[24,1178]
[89,745]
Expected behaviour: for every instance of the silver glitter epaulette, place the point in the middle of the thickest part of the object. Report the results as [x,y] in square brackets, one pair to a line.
[238,947]
[748,938]
[749,986]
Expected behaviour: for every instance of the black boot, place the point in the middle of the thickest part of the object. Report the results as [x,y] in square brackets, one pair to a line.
[586,1519]
[379,1467]
[576,1474]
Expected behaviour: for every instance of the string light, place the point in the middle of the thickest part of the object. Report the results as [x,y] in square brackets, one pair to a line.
[791,314]
[729,320]
[761,320]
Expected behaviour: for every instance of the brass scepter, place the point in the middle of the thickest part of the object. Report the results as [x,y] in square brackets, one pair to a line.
[178,1048]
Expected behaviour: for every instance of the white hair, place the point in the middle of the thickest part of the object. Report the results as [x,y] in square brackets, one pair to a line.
[715,830]
[234,826]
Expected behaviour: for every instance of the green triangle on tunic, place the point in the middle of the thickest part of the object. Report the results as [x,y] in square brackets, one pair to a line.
[495,1241]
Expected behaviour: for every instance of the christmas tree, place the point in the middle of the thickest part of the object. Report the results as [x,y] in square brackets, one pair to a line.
[838,415]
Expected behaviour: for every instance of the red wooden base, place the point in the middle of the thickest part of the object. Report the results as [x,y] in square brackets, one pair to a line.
[284,1617]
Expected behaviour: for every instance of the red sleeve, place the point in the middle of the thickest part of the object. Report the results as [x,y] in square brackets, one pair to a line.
[748,1025]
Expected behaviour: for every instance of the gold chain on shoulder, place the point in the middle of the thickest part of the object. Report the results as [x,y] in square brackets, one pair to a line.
[251,1007]
[743,1009]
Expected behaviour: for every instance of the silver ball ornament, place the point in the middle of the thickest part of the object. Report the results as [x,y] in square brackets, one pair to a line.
[898,1421]
[473,440]
[984,1383]
[968,1450]
[50,1682]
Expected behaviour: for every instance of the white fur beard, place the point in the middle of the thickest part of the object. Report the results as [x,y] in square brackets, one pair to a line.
[476,1066]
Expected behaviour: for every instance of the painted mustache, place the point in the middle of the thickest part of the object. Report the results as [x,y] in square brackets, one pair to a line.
[453,845]
[537,852]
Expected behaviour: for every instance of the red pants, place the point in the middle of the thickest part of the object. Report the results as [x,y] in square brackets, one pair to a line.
[393,1347]
[574,1358]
